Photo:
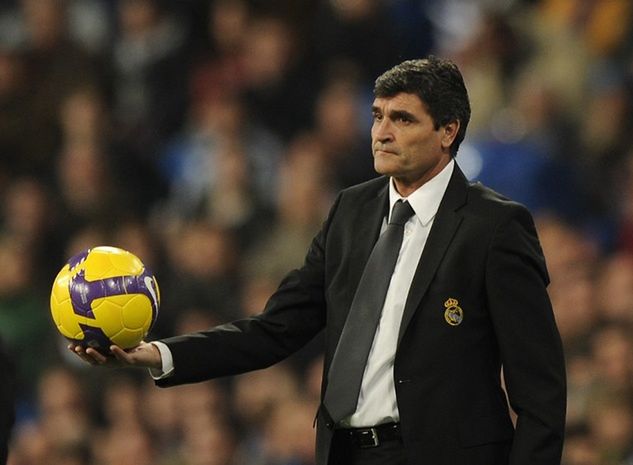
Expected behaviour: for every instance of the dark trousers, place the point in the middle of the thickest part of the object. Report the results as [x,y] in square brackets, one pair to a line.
[347,452]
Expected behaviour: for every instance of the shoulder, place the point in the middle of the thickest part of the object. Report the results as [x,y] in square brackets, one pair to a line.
[367,189]
[354,199]
[493,205]
[368,192]
[510,225]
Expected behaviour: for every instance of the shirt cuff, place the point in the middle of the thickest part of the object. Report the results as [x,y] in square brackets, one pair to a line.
[167,361]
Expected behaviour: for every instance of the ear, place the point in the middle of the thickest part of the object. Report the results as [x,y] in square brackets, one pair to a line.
[449,133]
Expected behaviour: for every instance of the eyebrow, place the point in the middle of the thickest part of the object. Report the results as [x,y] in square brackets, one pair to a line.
[395,114]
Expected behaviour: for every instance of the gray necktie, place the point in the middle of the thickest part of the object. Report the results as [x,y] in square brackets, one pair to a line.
[348,364]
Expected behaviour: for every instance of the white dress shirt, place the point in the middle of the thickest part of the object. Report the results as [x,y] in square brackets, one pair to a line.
[377,399]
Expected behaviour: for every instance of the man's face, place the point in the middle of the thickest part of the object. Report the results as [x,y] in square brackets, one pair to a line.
[405,143]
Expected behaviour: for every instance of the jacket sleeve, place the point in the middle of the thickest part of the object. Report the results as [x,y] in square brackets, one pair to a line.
[293,316]
[529,342]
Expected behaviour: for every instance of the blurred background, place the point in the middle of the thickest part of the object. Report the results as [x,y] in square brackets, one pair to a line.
[209,138]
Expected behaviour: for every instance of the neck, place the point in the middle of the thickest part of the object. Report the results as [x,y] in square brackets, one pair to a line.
[408,185]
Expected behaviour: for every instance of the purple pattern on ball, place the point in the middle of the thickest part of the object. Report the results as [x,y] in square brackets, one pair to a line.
[77,259]
[95,338]
[83,292]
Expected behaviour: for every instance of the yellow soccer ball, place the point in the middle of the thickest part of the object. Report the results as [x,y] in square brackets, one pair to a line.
[104,296]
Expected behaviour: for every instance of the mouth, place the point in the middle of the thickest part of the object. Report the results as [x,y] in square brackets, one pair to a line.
[382,152]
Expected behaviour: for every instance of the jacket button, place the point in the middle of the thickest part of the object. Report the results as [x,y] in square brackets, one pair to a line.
[403,381]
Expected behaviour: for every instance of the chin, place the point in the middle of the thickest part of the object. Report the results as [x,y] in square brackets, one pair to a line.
[384,168]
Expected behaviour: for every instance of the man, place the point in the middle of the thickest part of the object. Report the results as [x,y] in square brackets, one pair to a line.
[7,399]
[417,381]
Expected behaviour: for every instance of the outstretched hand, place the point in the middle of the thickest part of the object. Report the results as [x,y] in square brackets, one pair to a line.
[143,355]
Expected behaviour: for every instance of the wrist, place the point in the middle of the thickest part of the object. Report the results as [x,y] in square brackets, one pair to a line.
[165,367]
[158,360]
[154,361]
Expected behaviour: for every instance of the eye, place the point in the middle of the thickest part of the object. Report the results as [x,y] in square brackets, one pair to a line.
[377,116]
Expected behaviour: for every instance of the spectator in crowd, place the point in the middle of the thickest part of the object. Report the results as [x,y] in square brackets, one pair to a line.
[201,262]
[220,65]
[580,448]
[148,82]
[14,121]
[303,193]
[339,130]
[49,54]
[610,420]
[30,216]
[276,76]
[287,439]
[256,397]
[356,31]
[222,154]
[25,329]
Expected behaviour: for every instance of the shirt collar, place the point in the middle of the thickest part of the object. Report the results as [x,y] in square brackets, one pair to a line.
[425,201]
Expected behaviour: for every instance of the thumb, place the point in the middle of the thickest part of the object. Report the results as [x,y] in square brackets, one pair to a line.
[143,355]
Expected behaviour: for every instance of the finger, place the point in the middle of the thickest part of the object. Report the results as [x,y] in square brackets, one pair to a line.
[121,355]
[79,351]
[96,356]
[76,348]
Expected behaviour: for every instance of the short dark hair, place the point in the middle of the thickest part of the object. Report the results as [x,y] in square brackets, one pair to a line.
[439,85]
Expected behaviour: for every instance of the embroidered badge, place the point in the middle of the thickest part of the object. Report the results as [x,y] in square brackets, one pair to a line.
[453,314]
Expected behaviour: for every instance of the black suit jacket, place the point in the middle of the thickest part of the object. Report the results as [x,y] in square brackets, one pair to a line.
[483,252]
[7,399]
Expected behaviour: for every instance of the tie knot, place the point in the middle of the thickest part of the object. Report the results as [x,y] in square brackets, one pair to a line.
[401,212]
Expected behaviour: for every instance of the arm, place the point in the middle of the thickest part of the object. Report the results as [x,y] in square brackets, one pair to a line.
[232,348]
[293,316]
[291,319]
[531,350]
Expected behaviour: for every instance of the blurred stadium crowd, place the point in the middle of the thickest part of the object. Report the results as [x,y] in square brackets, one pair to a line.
[209,137]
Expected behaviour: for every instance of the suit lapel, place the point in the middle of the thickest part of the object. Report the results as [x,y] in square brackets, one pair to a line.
[367,226]
[445,225]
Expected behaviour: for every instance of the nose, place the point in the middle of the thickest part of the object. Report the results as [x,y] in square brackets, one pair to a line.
[381,131]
